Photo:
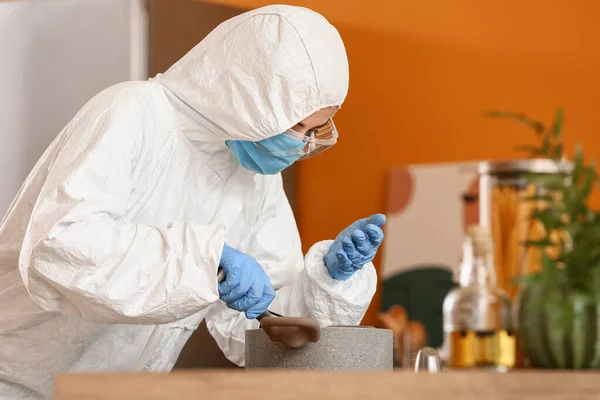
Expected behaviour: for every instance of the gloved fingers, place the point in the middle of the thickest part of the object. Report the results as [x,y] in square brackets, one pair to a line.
[343,267]
[376,219]
[361,241]
[231,281]
[356,259]
[251,298]
[239,291]
[263,304]
[343,262]
[350,249]
[375,234]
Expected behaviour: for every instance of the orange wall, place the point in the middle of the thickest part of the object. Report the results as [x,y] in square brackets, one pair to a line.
[421,74]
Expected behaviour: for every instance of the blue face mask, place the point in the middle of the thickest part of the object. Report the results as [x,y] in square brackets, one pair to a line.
[268,156]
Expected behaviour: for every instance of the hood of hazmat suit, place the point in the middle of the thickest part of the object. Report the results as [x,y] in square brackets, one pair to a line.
[109,252]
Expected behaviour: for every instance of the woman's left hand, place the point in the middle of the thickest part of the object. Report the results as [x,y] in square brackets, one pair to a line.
[354,247]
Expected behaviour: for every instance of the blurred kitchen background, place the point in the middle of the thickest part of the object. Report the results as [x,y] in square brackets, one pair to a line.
[422,74]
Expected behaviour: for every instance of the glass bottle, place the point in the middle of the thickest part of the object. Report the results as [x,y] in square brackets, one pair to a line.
[477,314]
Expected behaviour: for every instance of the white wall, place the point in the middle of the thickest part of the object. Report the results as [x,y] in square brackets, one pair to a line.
[54,56]
[429,230]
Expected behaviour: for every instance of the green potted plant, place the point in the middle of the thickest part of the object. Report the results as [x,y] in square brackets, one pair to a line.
[558,309]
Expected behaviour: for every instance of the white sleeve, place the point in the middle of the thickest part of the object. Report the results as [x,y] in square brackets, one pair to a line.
[81,256]
[303,287]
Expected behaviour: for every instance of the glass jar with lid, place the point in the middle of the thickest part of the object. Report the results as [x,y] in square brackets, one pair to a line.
[504,187]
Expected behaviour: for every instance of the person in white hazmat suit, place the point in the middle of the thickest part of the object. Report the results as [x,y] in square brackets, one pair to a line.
[109,253]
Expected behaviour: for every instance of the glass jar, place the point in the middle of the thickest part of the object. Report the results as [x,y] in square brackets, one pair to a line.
[503,187]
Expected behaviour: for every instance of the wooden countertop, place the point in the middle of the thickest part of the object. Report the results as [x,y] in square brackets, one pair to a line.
[311,385]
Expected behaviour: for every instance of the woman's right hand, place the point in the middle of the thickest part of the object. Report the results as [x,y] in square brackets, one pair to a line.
[246,286]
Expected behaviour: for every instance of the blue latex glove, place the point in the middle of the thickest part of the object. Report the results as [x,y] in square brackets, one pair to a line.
[354,247]
[246,286]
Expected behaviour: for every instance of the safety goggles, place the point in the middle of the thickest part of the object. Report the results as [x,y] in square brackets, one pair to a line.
[316,140]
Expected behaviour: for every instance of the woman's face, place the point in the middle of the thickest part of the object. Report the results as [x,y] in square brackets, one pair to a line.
[314,120]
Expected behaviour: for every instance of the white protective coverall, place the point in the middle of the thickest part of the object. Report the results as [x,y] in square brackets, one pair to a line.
[109,253]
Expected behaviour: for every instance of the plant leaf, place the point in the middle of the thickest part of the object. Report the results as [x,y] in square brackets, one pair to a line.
[557,153]
[539,197]
[546,145]
[538,243]
[578,162]
[588,179]
[532,150]
[519,117]
[528,279]
[549,272]
[528,148]
[558,123]
[549,181]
